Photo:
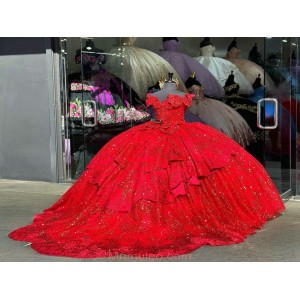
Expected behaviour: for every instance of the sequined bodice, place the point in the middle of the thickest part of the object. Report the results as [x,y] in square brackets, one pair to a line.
[207,50]
[198,91]
[171,111]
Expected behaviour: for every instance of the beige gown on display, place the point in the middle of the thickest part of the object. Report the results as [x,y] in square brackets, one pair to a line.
[249,69]
[138,67]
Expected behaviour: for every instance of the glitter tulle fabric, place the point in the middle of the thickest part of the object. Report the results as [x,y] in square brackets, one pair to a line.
[220,116]
[162,188]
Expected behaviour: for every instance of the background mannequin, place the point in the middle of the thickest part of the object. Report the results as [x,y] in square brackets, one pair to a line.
[248,68]
[259,90]
[186,65]
[255,56]
[218,115]
[248,110]
[169,87]
[221,68]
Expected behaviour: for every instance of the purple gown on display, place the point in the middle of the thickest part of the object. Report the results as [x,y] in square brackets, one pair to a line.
[186,65]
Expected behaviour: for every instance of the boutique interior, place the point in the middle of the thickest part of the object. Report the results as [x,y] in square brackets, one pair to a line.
[245,87]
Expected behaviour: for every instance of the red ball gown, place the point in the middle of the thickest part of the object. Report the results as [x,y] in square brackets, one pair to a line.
[162,188]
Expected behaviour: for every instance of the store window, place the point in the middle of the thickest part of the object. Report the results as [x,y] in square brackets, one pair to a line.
[105,81]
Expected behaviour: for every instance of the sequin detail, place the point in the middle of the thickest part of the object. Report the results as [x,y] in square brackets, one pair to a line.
[161,189]
[221,116]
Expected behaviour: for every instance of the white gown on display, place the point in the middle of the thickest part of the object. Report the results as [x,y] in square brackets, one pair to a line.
[221,69]
[220,116]
[138,67]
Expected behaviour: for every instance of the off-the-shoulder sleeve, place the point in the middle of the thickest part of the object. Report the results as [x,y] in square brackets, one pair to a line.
[150,100]
[188,98]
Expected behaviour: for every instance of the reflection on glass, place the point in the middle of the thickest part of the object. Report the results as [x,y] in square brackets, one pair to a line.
[101,104]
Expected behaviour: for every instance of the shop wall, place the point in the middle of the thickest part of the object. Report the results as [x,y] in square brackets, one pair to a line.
[26,109]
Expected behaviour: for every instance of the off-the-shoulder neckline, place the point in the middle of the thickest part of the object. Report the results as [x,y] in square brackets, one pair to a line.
[167,97]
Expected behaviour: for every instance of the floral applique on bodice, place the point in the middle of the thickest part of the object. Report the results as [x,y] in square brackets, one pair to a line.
[207,50]
[198,93]
[170,112]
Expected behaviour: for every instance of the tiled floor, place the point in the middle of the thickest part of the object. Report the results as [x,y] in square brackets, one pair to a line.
[279,241]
